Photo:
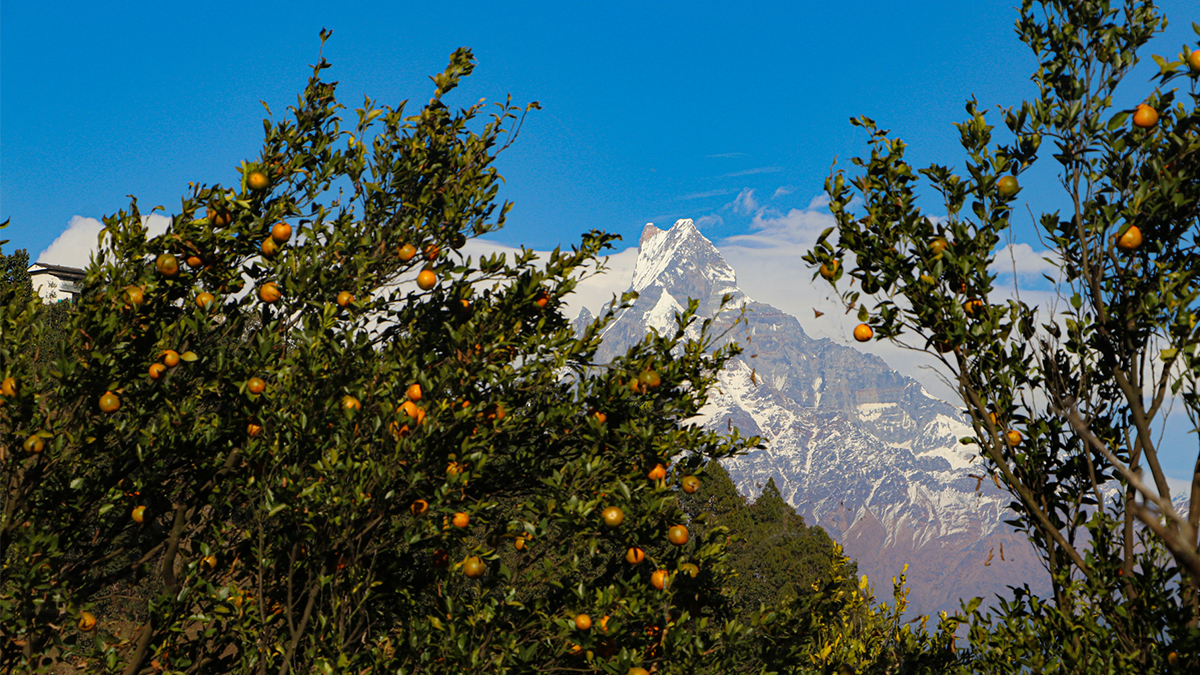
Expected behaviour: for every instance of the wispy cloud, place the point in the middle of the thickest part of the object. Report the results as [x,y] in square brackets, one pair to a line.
[1026,262]
[751,172]
[745,202]
[783,190]
[711,220]
[705,195]
[726,154]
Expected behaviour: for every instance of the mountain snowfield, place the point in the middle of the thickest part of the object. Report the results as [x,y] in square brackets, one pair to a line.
[855,446]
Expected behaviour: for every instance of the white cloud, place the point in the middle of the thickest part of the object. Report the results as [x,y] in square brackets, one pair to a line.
[783,190]
[711,220]
[751,172]
[75,246]
[705,195]
[1026,262]
[745,201]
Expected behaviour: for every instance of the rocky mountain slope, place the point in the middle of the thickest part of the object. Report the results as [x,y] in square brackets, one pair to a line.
[856,447]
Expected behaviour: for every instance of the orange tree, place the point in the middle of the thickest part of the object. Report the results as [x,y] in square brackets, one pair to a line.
[226,467]
[1063,410]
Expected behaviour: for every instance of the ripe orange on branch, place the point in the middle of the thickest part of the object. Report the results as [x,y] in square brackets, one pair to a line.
[406,252]
[1008,186]
[413,392]
[9,387]
[170,357]
[1193,61]
[344,298]
[1131,240]
[660,579]
[1013,437]
[134,296]
[613,516]
[256,385]
[473,567]
[1145,117]
[109,402]
[138,514]
[583,622]
[257,180]
[281,232]
[659,472]
[863,332]
[218,217]
[690,484]
[829,272]
[34,444]
[426,280]
[204,299]
[167,265]
[461,519]
[678,535]
[351,403]
[269,292]
[157,370]
[634,555]
[87,621]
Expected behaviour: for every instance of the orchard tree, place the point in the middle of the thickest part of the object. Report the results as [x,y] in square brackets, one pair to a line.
[301,432]
[1064,407]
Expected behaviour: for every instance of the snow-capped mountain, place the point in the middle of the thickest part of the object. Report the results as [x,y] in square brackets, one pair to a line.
[856,447]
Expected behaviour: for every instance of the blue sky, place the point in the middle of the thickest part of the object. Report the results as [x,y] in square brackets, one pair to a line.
[729,114]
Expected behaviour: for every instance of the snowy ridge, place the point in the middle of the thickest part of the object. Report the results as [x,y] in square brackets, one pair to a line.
[856,447]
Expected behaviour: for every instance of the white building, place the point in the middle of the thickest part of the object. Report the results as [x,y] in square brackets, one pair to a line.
[55,283]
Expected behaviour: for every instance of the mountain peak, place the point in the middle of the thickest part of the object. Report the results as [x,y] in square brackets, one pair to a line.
[683,261]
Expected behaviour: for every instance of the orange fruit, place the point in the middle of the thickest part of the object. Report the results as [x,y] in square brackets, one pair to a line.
[406,252]
[541,300]
[678,535]
[281,232]
[419,507]
[210,561]
[171,358]
[473,567]
[109,402]
[345,298]
[257,180]
[269,292]
[613,516]
[217,216]
[937,246]
[650,379]
[194,261]
[660,579]
[634,555]
[432,251]
[1193,61]
[690,484]
[689,569]
[583,622]
[414,392]
[519,543]
[426,280]
[134,296]
[1008,186]
[157,370]
[167,265]
[9,387]
[659,472]
[253,430]
[494,411]
[138,514]
[87,621]
[604,623]
[1145,117]
[203,300]
[351,403]
[269,248]
[453,469]
[256,385]
[1131,240]
[1013,437]
[971,305]
[600,417]
[829,272]
[992,415]
[461,519]
[34,444]
[863,332]
[441,558]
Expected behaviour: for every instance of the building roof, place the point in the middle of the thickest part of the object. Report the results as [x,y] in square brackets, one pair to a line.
[59,271]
